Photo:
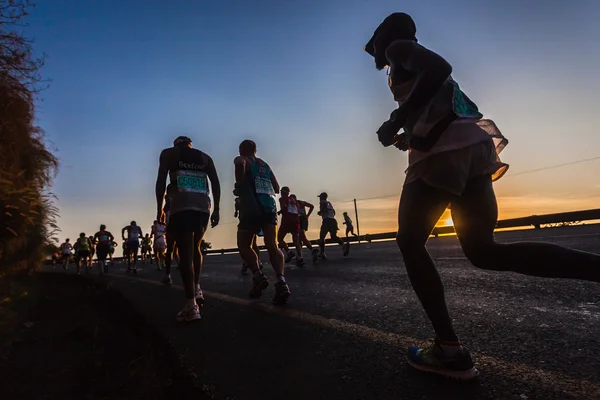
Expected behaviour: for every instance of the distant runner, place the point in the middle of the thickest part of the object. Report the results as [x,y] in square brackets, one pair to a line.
[192,174]
[92,249]
[82,253]
[290,223]
[158,233]
[147,248]
[453,160]
[349,225]
[103,240]
[66,248]
[302,206]
[134,233]
[256,185]
[329,226]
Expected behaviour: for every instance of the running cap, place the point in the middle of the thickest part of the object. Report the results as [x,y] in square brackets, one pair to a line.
[182,140]
[323,195]
[396,26]
[285,189]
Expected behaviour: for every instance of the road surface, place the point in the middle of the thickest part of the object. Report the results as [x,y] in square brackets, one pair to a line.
[345,330]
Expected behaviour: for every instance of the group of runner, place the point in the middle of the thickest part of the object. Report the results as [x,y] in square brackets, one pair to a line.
[84,249]
[453,160]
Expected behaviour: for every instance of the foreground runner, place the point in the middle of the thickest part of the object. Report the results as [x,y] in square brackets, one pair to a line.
[290,223]
[256,185]
[134,232]
[66,249]
[255,247]
[158,234]
[105,241]
[329,226]
[302,206]
[438,117]
[190,172]
[349,225]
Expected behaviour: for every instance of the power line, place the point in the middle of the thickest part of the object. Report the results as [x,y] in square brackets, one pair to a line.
[507,176]
[553,166]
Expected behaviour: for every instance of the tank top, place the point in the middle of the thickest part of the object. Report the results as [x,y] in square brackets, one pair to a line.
[159,230]
[301,208]
[84,244]
[103,238]
[426,126]
[190,181]
[259,188]
[133,233]
[326,210]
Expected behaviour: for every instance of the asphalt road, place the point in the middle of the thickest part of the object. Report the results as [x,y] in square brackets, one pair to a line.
[349,320]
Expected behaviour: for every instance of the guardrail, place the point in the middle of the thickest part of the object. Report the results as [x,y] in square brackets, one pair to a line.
[535,221]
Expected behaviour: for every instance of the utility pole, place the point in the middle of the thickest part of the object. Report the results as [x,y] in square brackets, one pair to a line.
[357,225]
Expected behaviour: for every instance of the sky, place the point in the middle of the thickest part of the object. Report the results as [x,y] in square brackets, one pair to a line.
[129,76]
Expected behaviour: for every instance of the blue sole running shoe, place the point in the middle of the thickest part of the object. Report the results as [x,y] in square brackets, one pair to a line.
[432,359]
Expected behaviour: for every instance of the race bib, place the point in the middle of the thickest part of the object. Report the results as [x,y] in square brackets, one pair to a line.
[192,181]
[292,209]
[264,186]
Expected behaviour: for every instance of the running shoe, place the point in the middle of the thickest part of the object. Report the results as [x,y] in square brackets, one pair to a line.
[315,255]
[346,249]
[199,297]
[167,280]
[189,314]
[260,284]
[290,256]
[433,359]
[282,292]
[322,256]
[300,262]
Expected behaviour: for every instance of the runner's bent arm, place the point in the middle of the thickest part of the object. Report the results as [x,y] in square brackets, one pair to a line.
[310,208]
[214,183]
[123,232]
[240,170]
[161,181]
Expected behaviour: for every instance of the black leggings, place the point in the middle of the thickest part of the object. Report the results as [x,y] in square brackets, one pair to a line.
[475,214]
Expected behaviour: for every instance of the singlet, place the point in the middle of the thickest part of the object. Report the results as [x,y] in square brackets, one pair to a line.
[326,210]
[133,233]
[84,244]
[159,230]
[347,220]
[258,189]
[146,241]
[103,238]
[66,248]
[188,176]
[301,208]
[426,126]
[289,208]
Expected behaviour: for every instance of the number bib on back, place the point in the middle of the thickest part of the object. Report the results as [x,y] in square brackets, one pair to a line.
[292,209]
[192,181]
[264,186]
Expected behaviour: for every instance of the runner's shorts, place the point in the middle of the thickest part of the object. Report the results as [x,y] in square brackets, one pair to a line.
[290,226]
[102,251]
[133,245]
[303,223]
[330,226]
[188,221]
[159,243]
[255,223]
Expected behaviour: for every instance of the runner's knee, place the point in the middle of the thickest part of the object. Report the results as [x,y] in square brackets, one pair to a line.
[408,243]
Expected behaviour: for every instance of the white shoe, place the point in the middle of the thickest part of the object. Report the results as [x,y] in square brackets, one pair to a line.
[189,314]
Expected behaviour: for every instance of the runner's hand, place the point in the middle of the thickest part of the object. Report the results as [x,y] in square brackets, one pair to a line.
[388,131]
[214,219]
[402,142]
[160,215]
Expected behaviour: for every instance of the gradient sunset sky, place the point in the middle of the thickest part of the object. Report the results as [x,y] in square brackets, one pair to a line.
[129,76]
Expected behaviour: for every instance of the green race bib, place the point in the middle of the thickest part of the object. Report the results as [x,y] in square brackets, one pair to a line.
[192,181]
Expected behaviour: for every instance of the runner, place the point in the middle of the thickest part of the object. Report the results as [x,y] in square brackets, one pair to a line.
[190,172]
[329,225]
[55,257]
[66,249]
[349,225]
[443,127]
[104,243]
[92,249]
[147,248]
[171,251]
[255,247]
[256,185]
[158,234]
[290,223]
[134,233]
[111,251]
[302,206]
[82,253]
[126,253]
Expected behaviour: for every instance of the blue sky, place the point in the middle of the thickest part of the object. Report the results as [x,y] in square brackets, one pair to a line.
[129,76]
